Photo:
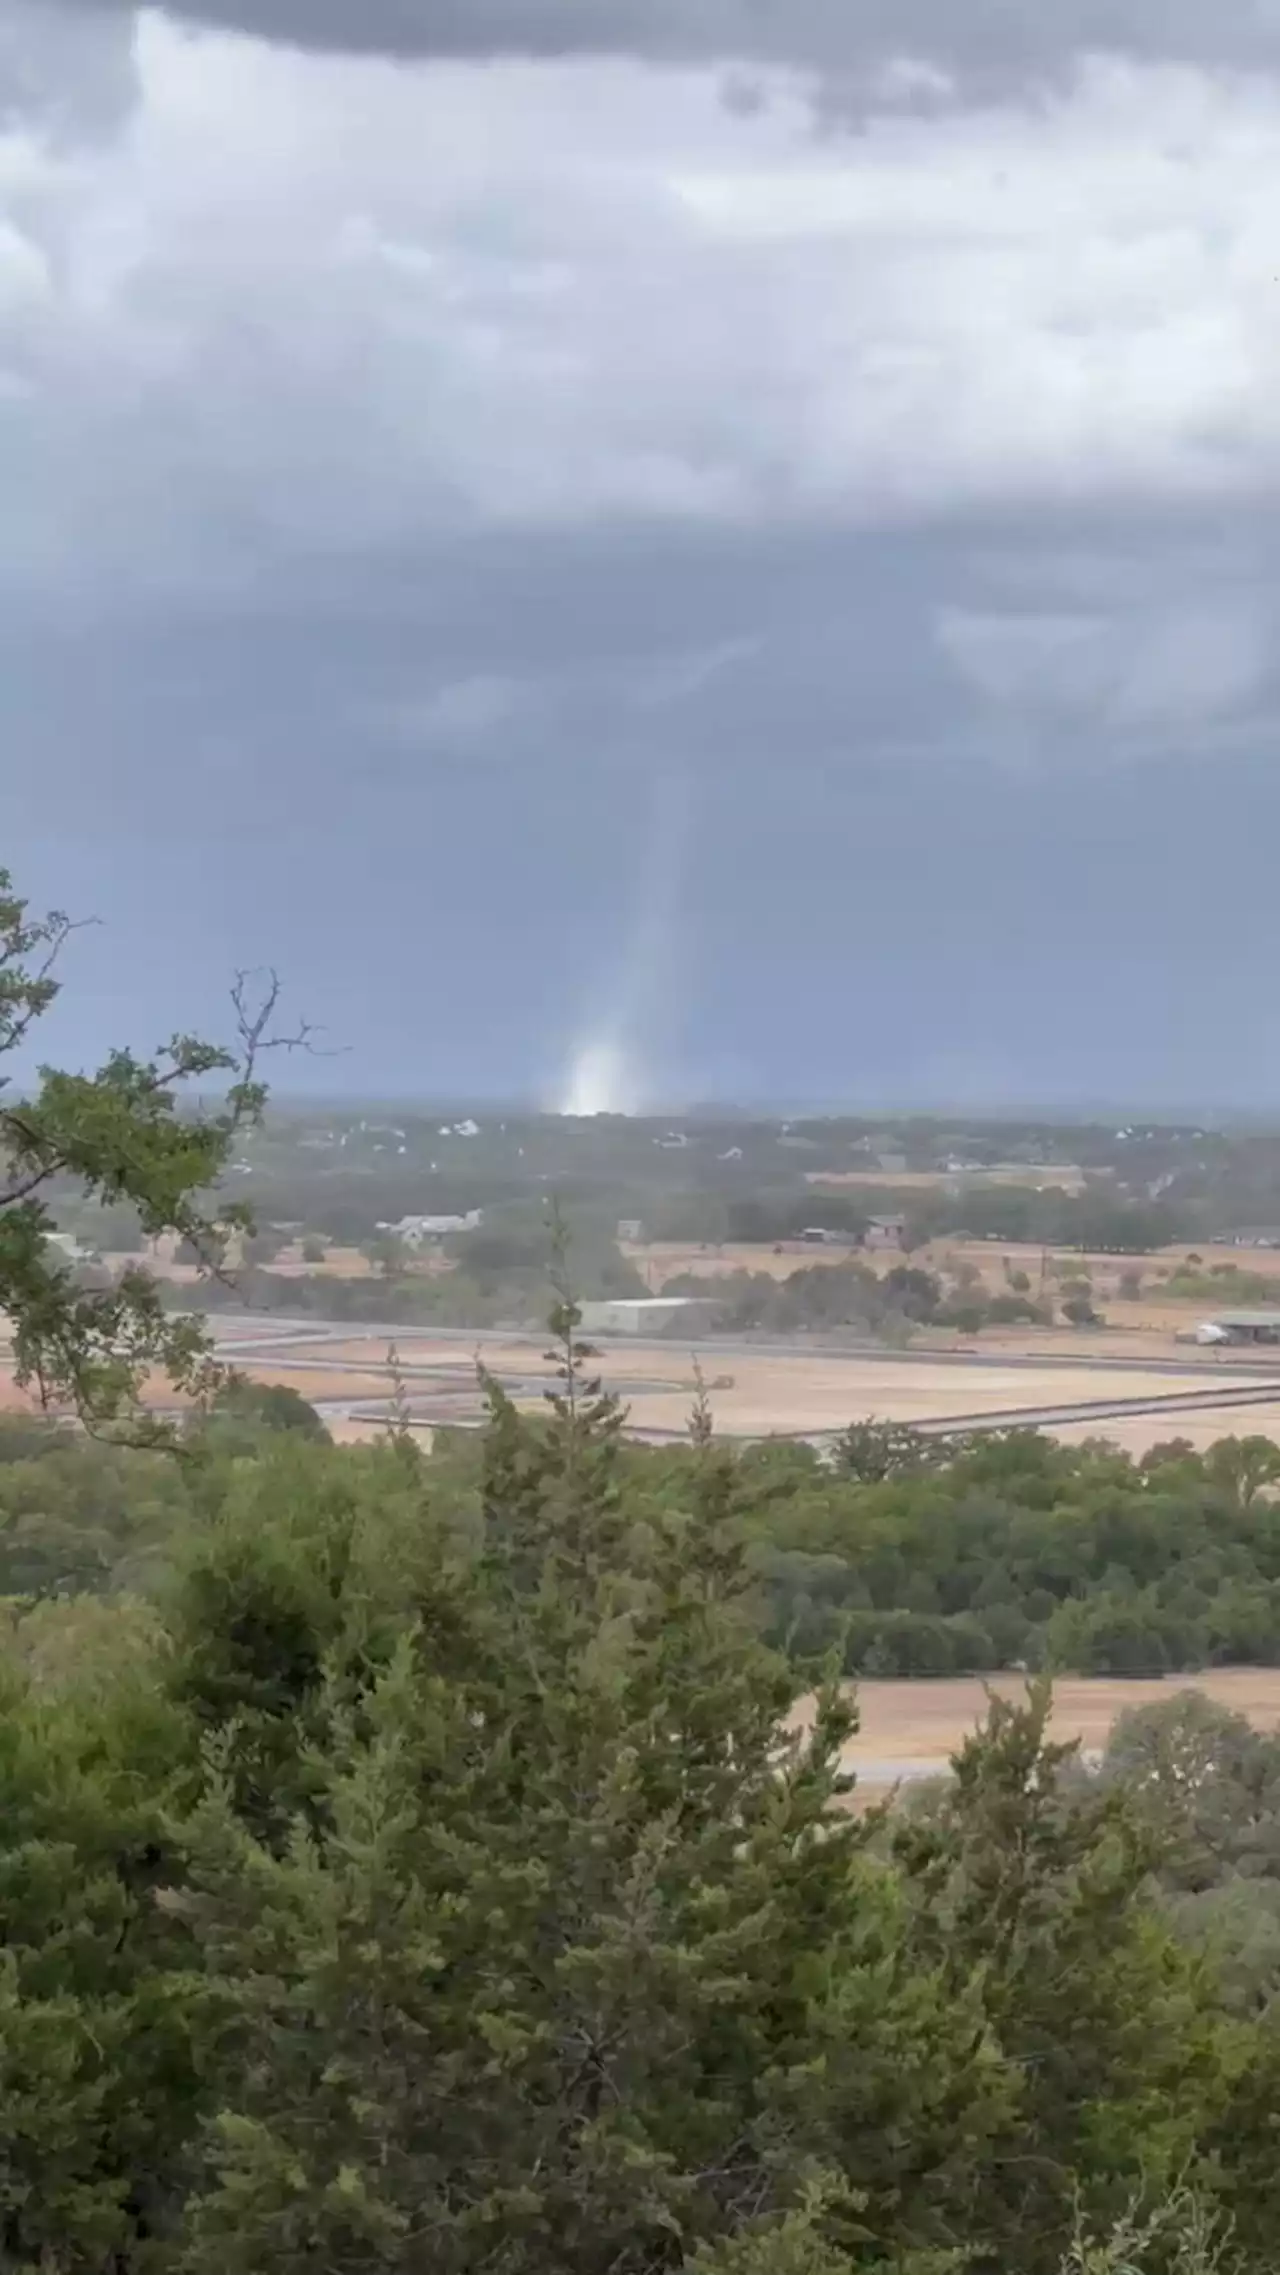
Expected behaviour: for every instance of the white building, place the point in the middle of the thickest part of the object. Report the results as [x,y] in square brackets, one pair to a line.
[646,1315]
[1240,1327]
[421,1231]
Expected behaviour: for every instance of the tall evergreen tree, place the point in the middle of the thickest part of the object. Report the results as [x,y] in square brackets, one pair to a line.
[1036,1881]
[104,2018]
[577,1963]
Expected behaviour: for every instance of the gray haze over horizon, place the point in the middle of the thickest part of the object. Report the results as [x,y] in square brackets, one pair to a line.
[735,536]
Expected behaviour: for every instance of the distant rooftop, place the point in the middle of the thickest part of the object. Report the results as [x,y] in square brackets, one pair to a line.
[650,1302]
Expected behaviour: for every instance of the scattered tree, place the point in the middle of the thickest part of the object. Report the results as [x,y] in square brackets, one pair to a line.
[130,1134]
[872,1451]
[253,1407]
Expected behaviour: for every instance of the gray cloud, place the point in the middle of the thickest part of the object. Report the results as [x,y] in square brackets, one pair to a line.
[1140,672]
[65,71]
[407,302]
[244,786]
[418,463]
[983,40]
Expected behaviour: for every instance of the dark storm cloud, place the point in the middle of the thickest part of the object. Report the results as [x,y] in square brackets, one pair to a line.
[979,39]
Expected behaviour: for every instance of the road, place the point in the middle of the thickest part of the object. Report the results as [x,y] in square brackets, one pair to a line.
[241,1334]
[1108,1409]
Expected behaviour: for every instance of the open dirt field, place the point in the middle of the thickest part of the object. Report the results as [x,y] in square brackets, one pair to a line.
[803,1395]
[353,1264]
[289,1263]
[762,1395]
[910,1729]
[1152,1312]
[338,1264]
[1145,1326]
[1202,1428]
[758,1393]
[660,1260]
[771,1391]
[1063,1178]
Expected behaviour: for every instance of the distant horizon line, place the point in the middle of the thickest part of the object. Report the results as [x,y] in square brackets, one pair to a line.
[1092,1113]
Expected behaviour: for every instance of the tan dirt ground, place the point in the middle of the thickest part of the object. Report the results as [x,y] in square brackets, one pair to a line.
[1065,1178]
[410,1350]
[799,1395]
[757,1395]
[1137,1328]
[1152,1311]
[661,1260]
[339,1264]
[1137,1433]
[352,1433]
[318,1383]
[353,1264]
[906,1723]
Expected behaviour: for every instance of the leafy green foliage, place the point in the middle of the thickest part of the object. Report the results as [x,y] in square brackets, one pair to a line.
[102,2013]
[437,1874]
[240,1412]
[115,1138]
[938,1557]
[571,1959]
[870,1452]
[1037,1885]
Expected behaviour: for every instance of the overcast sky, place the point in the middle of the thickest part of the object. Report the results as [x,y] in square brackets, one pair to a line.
[736,533]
